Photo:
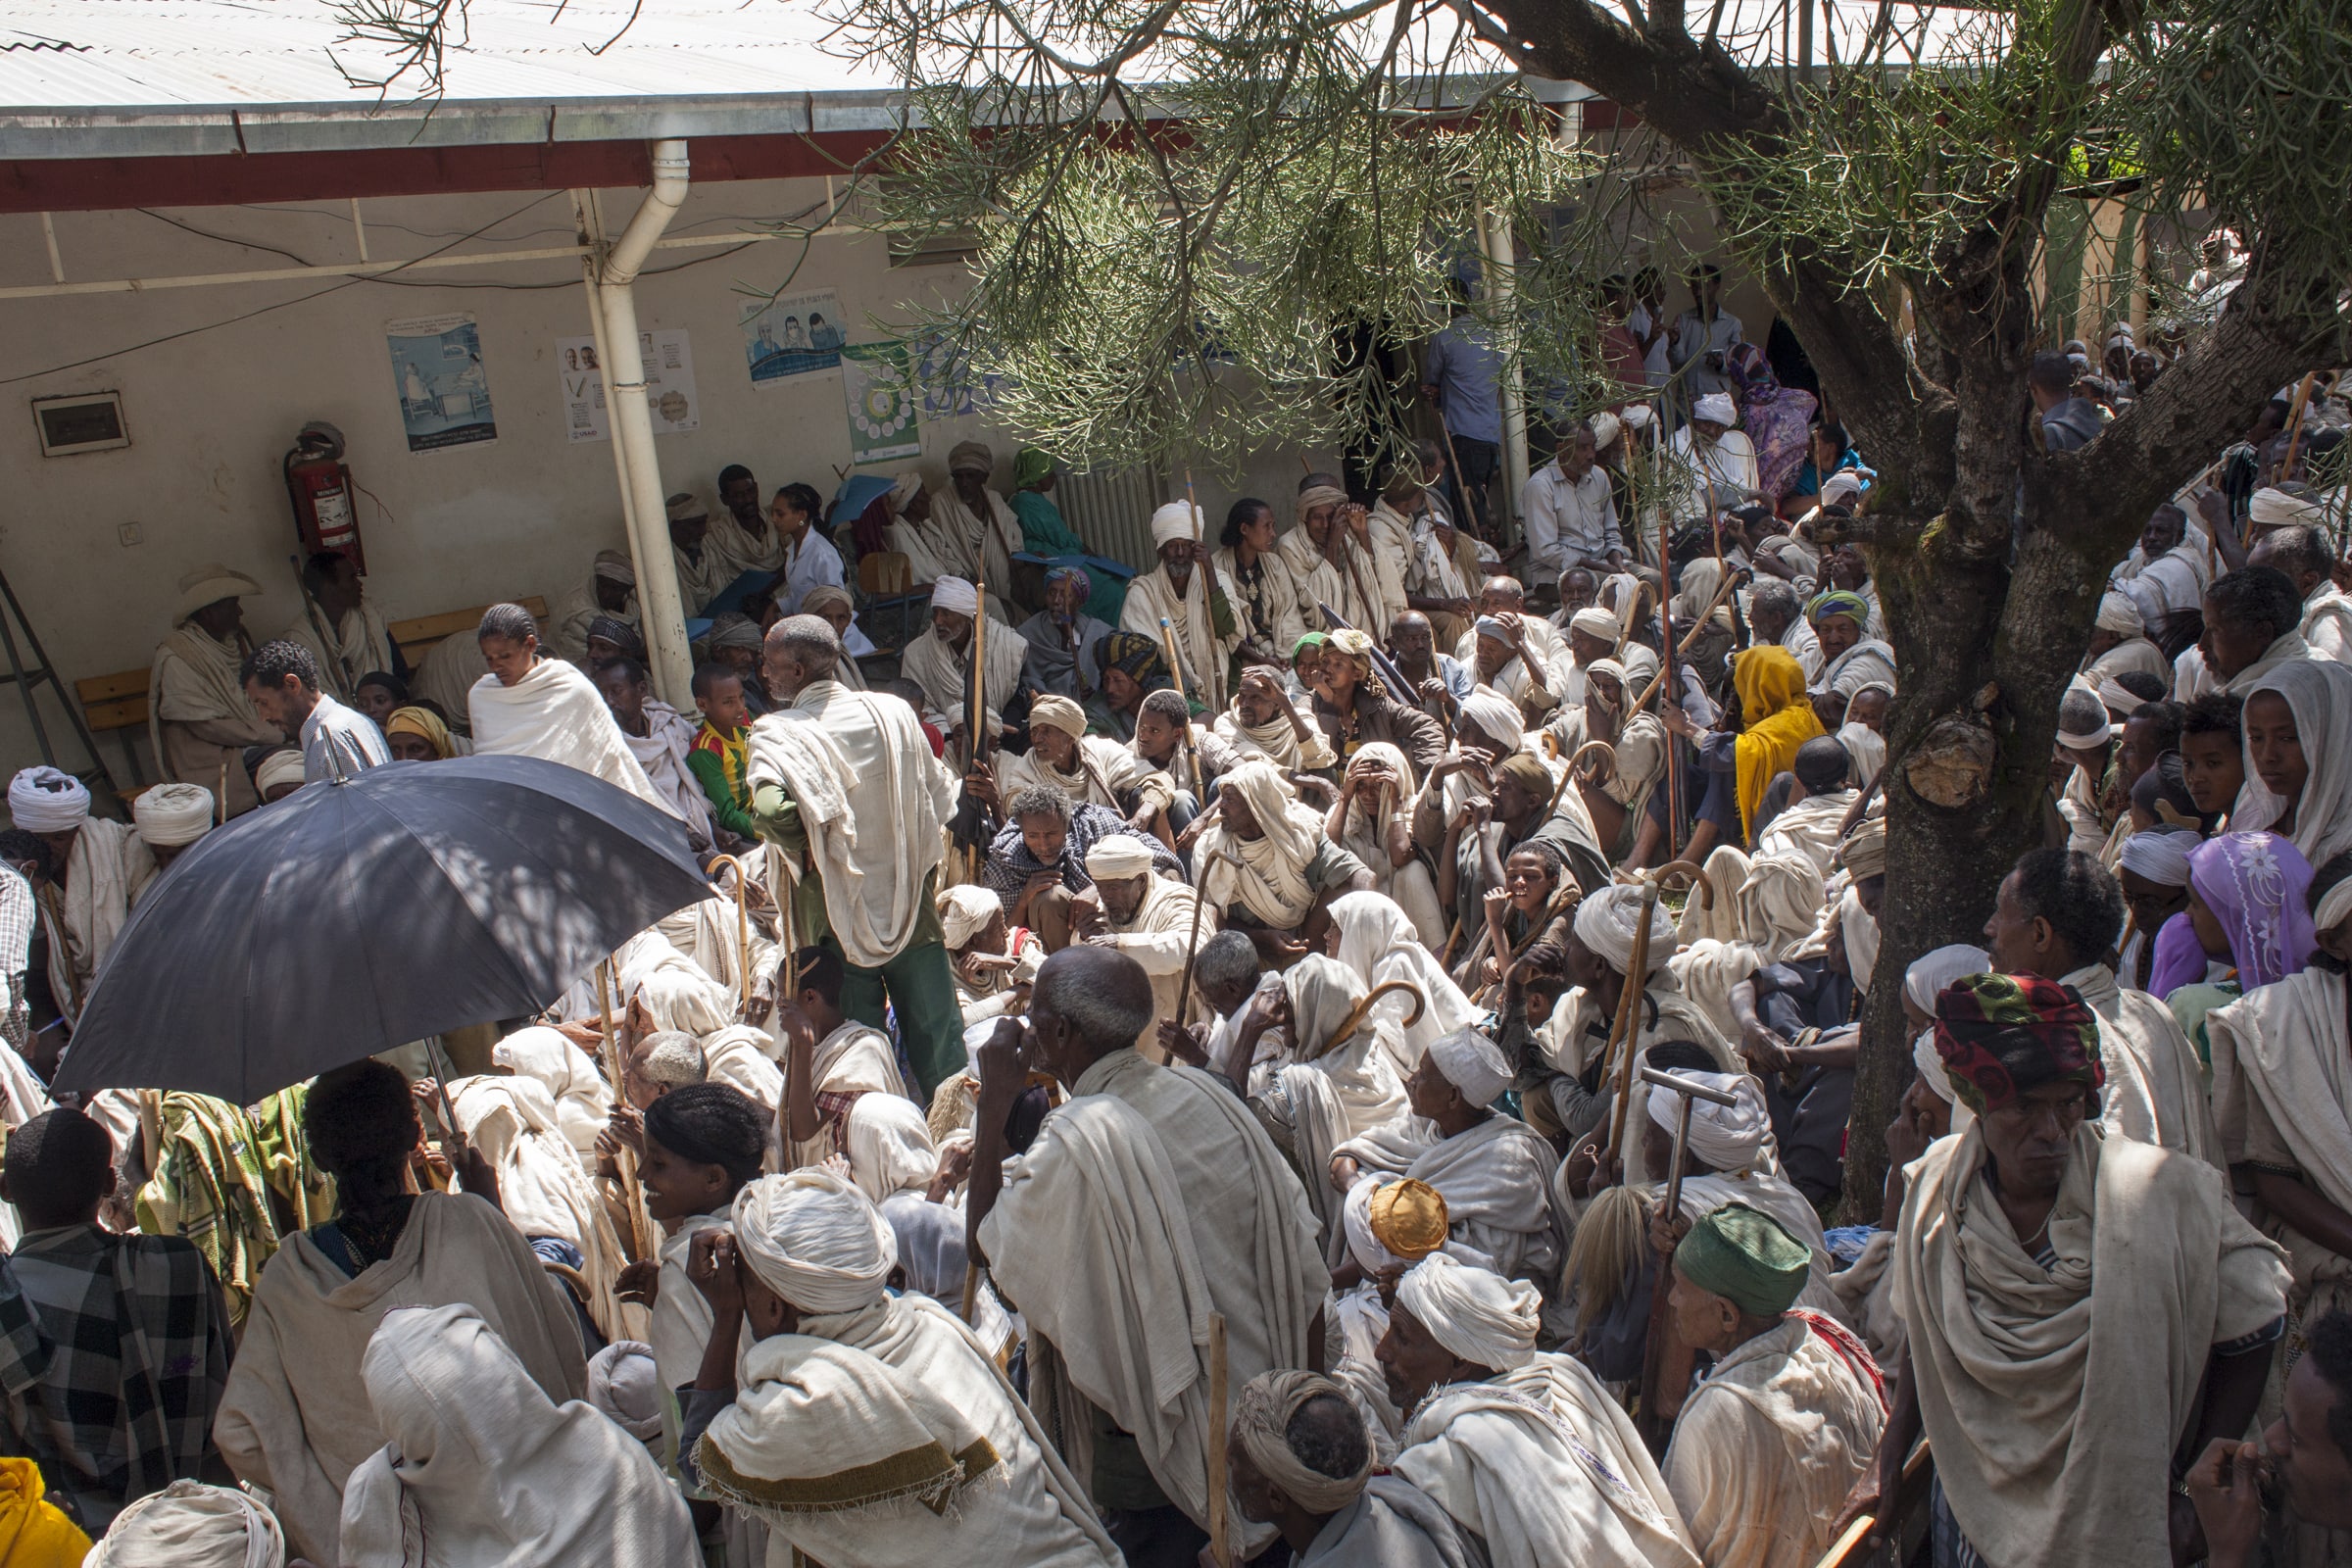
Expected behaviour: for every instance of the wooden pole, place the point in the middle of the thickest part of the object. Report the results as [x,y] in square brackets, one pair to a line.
[1654,1354]
[624,1158]
[1218,1545]
[1461,486]
[743,925]
[1674,774]
[1624,1031]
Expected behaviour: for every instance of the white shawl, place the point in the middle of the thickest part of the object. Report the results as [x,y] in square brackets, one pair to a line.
[2155,1089]
[873,800]
[583,1100]
[661,753]
[358,644]
[543,1188]
[1546,1468]
[294,1417]
[482,1470]
[945,675]
[556,712]
[1267,874]
[1206,655]
[109,866]
[2282,1094]
[1378,941]
[989,542]
[2052,1408]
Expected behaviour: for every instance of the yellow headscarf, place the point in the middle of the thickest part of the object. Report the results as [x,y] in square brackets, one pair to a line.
[33,1532]
[1778,719]
[425,723]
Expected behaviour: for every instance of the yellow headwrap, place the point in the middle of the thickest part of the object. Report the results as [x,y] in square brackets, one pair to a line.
[422,722]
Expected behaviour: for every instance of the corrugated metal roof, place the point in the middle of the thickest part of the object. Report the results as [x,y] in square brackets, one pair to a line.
[112,78]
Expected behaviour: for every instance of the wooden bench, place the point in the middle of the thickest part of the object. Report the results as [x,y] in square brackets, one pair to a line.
[118,703]
[417,637]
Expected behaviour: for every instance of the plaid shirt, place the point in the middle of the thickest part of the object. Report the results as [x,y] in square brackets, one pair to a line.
[1010,866]
[114,1352]
[16,915]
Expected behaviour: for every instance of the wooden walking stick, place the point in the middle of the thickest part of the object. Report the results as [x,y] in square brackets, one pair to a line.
[1653,1352]
[624,1158]
[1218,1546]
[1461,485]
[1625,1031]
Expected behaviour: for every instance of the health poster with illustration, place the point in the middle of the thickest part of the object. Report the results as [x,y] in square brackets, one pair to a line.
[444,391]
[881,403]
[670,394]
[794,335]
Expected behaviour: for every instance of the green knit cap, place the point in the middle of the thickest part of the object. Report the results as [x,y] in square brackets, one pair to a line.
[1747,1256]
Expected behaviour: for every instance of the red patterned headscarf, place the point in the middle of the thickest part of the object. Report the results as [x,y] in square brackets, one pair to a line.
[2001,1035]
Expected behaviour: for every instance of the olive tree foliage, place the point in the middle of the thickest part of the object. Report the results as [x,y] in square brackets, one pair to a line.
[1192,216]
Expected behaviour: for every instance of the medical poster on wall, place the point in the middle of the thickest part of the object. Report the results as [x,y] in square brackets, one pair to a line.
[444,391]
[670,394]
[794,335]
[881,403]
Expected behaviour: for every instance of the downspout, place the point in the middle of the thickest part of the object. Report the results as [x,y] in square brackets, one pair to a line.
[662,613]
[592,241]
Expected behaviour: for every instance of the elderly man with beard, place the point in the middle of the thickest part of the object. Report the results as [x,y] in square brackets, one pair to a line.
[1198,614]
[2061,1418]
[1522,1449]
[1156,920]
[1264,723]
[941,665]
[1332,559]
[1439,680]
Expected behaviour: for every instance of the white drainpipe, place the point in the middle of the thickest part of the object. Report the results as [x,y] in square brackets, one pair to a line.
[662,611]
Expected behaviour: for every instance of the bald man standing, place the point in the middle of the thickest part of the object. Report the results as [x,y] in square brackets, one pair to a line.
[1151,1198]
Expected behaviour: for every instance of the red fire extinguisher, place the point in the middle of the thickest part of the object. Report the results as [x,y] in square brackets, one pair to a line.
[326,515]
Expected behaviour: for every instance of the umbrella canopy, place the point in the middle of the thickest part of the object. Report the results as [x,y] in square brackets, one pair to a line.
[360,914]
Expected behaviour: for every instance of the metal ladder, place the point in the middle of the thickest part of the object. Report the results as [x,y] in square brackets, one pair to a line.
[12,621]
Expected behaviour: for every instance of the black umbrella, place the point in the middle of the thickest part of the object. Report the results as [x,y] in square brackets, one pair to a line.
[358,916]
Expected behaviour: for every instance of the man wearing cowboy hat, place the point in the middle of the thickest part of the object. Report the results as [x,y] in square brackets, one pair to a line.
[198,717]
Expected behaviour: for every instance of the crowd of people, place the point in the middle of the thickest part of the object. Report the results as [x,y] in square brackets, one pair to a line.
[1336,1049]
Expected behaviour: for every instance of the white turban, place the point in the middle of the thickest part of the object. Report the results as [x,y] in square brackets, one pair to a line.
[1496,716]
[1608,918]
[2121,700]
[622,1384]
[904,488]
[2117,613]
[955,594]
[964,910]
[1116,856]
[684,506]
[1637,416]
[190,1525]
[1178,520]
[815,1240]
[2162,857]
[283,766]
[172,814]
[1932,972]
[48,800]
[1479,1316]
[1717,406]
[1473,1064]
[614,567]
[1356,1215]
[1262,1419]
[1930,1062]
[1730,1137]
[1606,427]
[1594,622]
[2082,740]
[2273,507]
[1841,486]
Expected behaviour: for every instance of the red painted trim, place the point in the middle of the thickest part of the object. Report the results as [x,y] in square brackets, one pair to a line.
[101,184]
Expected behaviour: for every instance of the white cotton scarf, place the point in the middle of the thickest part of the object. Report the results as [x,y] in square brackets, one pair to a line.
[1267,874]
[556,712]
